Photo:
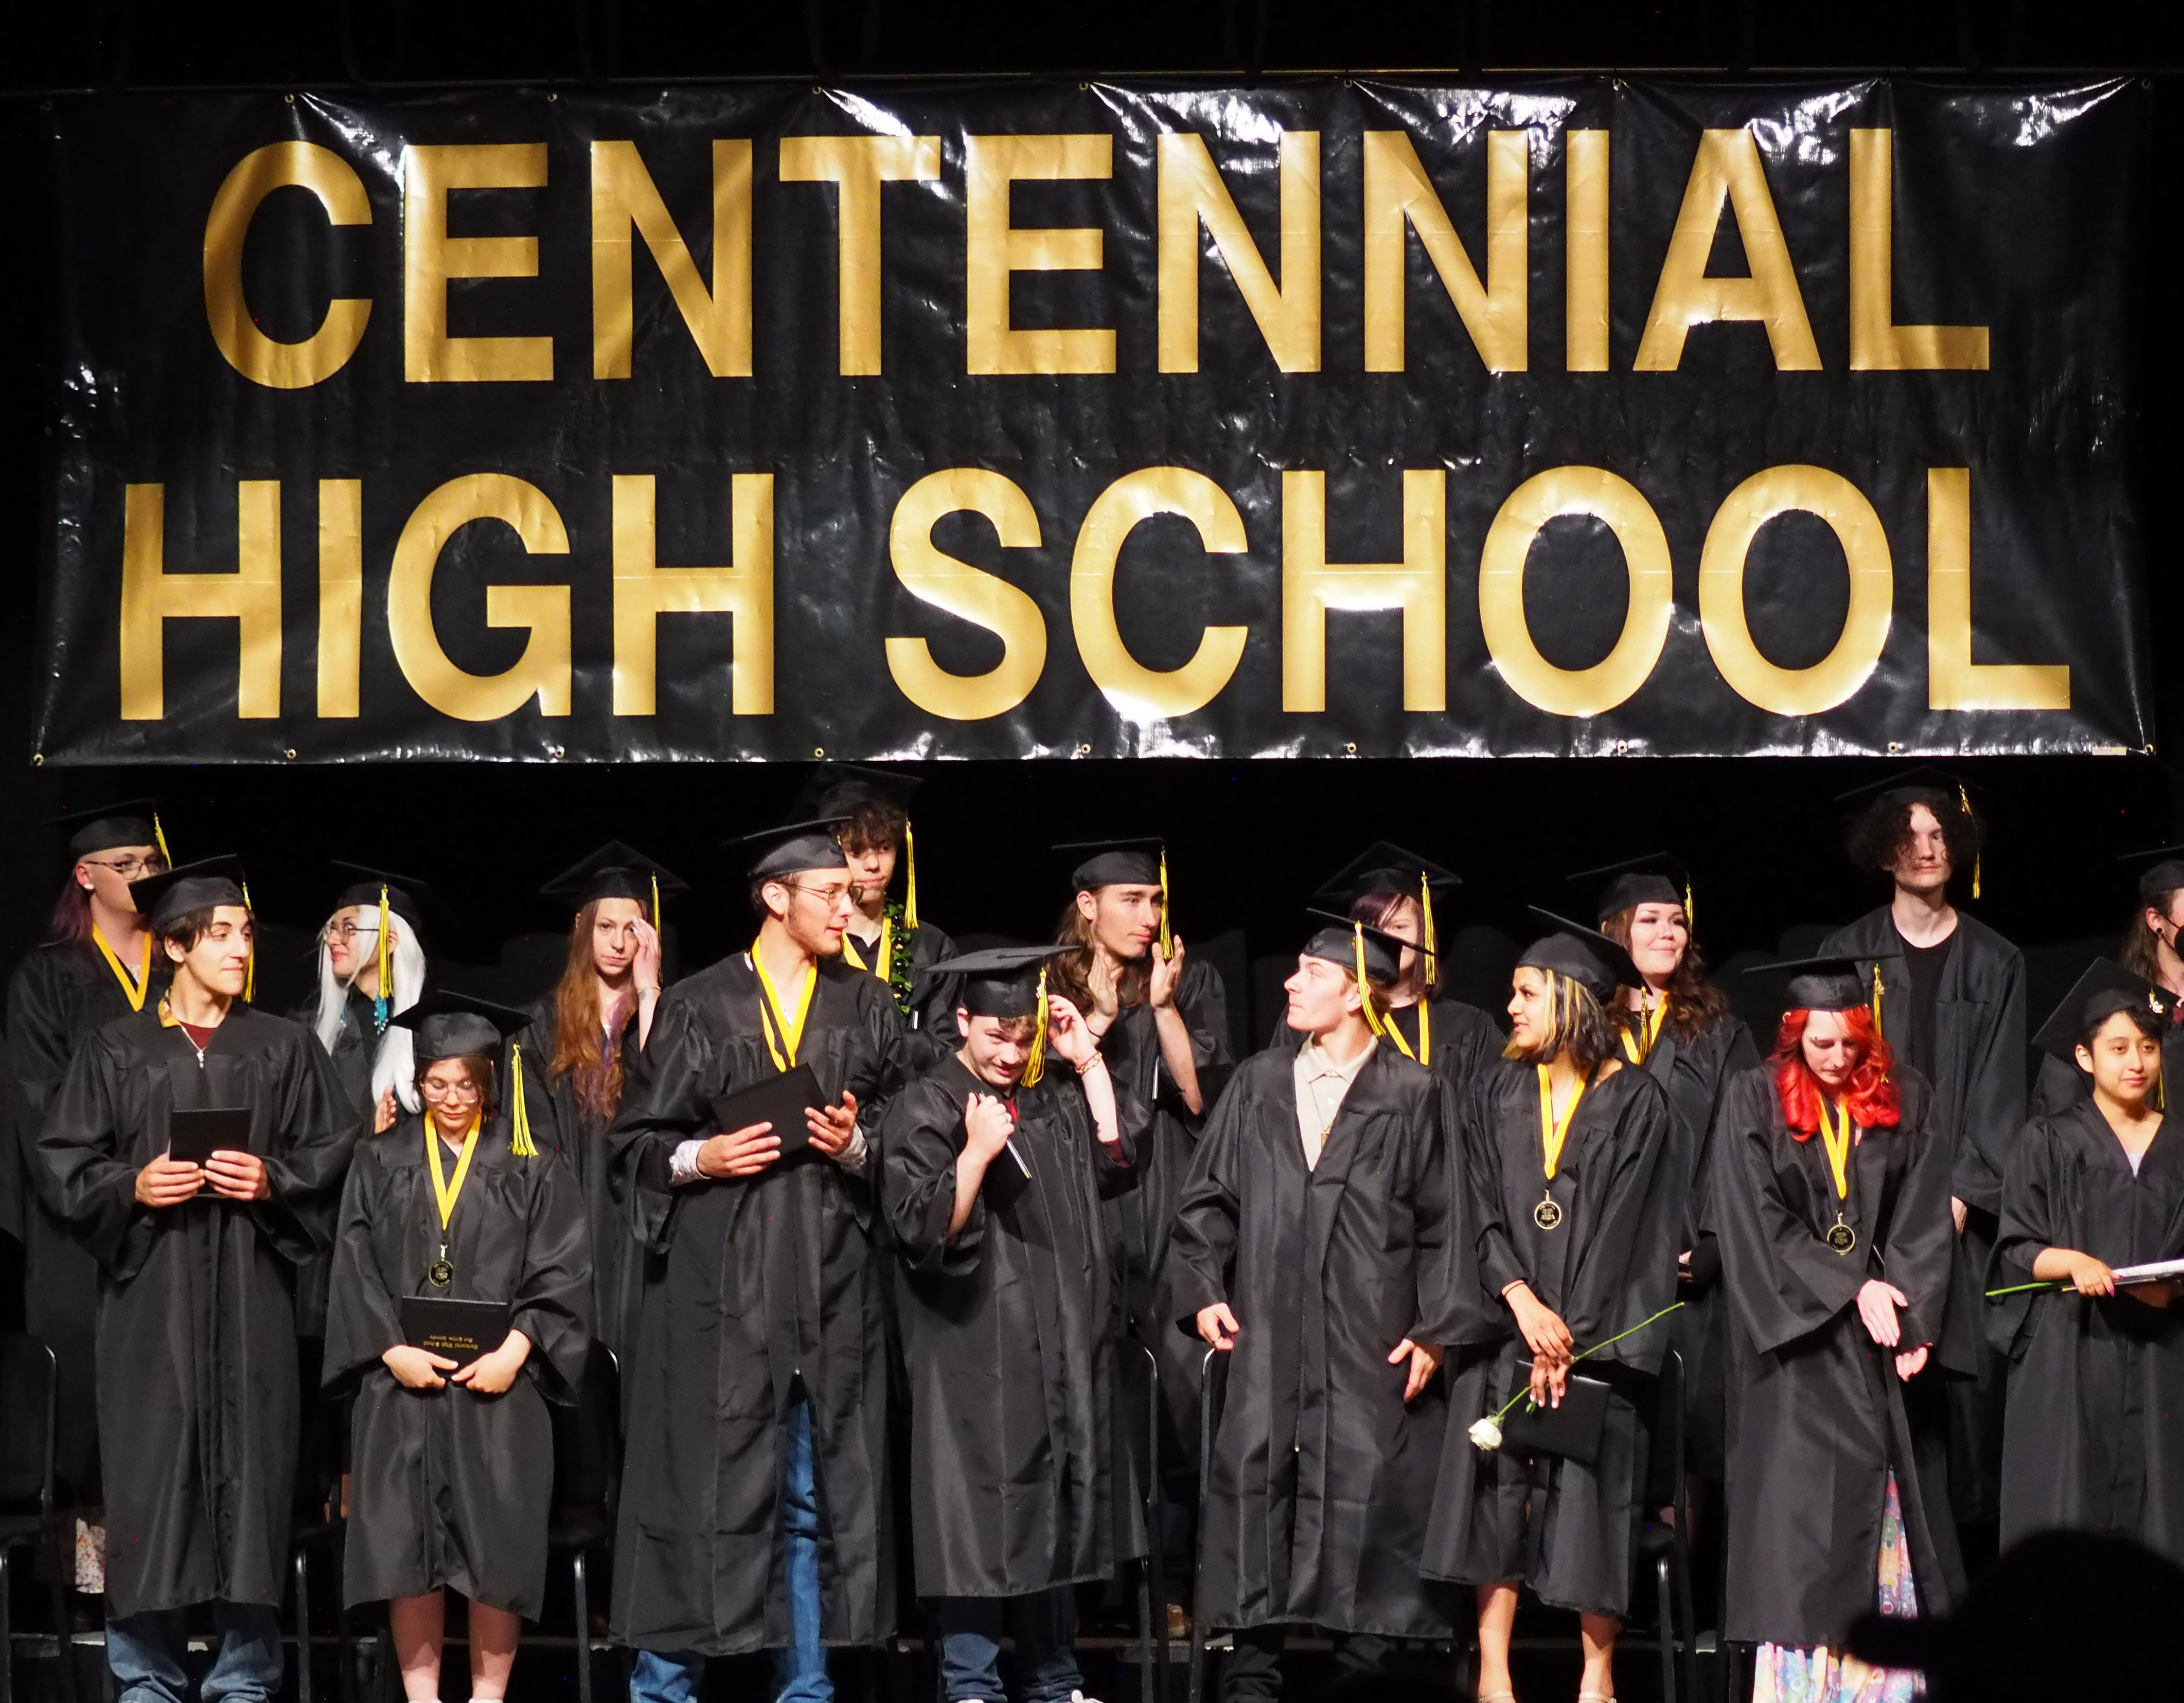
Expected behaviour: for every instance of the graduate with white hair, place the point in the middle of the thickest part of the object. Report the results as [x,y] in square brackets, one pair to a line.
[371,969]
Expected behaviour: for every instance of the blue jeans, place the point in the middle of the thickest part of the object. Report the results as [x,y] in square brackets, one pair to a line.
[1044,1627]
[799,1672]
[145,1653]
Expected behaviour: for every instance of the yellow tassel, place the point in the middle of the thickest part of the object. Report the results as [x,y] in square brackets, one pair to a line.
[250,973]
[655,905]
[519,1135]
[909,888]
[1432,940]
[386,952]
[1691,911]
[1167,934]
[1876,1002]
[1364,986]
[1964,799]
[159,834]
[1035,1066]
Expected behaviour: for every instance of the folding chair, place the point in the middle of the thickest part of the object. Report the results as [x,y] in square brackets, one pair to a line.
[28,1376]
[1212,1382]
[1666,1545]
[584,1491]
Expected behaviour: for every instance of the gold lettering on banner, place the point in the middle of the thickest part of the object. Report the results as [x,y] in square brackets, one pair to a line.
[1877,342]
[430,257]
[932,575]
[1623,509]
[857,166]
[1400,196]
[1857,529]
[341,596]
[1584,288]
[1191,194]
[340,192]
[543,669]
[993,249]
[624,198]
[1728,168]
[644,591]
[1953,680]
[1138,692]
[151,597]
[1417,585]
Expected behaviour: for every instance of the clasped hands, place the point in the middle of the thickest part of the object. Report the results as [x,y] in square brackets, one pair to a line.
[233,1176]
[489,1374]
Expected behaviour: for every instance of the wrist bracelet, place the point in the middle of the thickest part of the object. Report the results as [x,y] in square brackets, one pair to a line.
[1090,1064]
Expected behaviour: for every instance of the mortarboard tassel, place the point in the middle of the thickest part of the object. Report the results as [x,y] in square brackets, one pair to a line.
[1965,800]
[159,834]
[1035,1066]
[1877,1034]
[909,879]
[1691,911]
[1432,946]
[1364,986]
[518,1120]
[655,902]
[1167,934]
[250,974]
[383,1001]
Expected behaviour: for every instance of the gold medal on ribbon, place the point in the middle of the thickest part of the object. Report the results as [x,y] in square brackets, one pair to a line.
[1838,1235]
[1841,1237]
[439,1274]
[1548,1214]
[1553,1132]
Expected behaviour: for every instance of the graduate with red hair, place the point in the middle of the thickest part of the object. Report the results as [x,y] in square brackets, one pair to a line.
[1832,1207]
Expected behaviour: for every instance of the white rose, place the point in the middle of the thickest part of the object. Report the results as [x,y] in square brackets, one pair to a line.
[1486,1434]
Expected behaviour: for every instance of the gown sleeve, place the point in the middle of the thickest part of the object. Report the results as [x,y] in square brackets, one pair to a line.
[315,1135]
[1629,1270]
[83,1176]
[1498,1264]
[1920,1241]
[1994,1093]
[661,1108]
[363,1320]
[552,1302]
[2057,1089]
[2029,1216]
[934,997]
[918,1151]
[1450,1306]
[1202,1245]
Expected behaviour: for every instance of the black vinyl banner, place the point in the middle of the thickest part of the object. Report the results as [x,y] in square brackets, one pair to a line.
[1325,418]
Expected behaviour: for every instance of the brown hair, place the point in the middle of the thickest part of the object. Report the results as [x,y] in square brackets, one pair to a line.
[870,824]
[479,1074]
[585,1052]
[1577,1027]
[1694,1002]
[1072,976]
[2139,955]
[1879,833]
[71,920]
[187,929]
[1374,909]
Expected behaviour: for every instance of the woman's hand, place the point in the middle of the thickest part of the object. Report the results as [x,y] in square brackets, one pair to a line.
[1550,1382]
[168,1183]
[1217,1326]
[2151,1294]
[1877,1303]
[490,1374]
[1547,1337]
[1911,1362]
[413,1368]
[2086,1274]
[384,1114]
[987,1127]
[1067,1032]
[238,1176]
[645,968]
[1166,971]
[744,1152]
[1425,1361]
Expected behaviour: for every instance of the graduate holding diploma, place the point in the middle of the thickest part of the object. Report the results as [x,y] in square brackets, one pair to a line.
[454,1449]
[2096,1378]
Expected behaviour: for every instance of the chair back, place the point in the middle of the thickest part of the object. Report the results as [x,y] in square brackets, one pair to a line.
[1664,1459]
[585,1449]
[27,1382]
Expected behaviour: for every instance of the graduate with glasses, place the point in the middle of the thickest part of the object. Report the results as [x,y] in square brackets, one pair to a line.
[756,1508]
[453,1473]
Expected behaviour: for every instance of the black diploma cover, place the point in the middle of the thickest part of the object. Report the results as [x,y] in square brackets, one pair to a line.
[1572,1431]
[780,1100]
[193,1136]
[459,1331]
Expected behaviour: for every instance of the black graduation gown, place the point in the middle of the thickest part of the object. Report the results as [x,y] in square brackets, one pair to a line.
[1695,1070]
[1008,1335]
[617,1257]
[355,1050]
[1322,1477]
[762,1281]
[2097,1388]
[1978,1082]
[1466,1040]
[198,1408]
[58,999]
[1819,1417]
[930,1016]
[449,1487]
[1566,1528]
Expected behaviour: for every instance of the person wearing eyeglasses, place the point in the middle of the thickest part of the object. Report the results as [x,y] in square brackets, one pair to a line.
[454,1454]
[756,1508]
[97,962]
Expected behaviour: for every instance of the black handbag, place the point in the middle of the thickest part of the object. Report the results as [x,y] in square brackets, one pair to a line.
[1572,1431]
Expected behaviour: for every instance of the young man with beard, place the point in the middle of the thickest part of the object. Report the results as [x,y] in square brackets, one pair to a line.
[995,1163]
[1953,1011]
[198,1405]
[97,962]
[755,1505]
[1322,1241]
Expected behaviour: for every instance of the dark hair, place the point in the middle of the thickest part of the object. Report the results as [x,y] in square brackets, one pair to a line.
[1072,975]
[871,823]
[1879,831]
[479,1072]
[759,883]
[1374,909]
[71,922]
[1694,1002]
[1578,1027]
[2139,953]
[586,1042]
[187,929]
[2151,1024]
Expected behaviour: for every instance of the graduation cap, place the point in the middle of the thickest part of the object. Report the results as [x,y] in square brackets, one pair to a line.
[1655,878]
[1589,958]
[103,828]
[2106,988]
[1384,869]
[835,792]
[791,848]
[1923,784]
[1349,943]
[1141,862]
[1008,981]
[1828,983]
[172,894]
[375,889]
[614,870]
[2164,871]
[448,1025]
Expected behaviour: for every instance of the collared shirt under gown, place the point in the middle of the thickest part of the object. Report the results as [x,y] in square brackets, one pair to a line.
[198,1409]
[1008,1335]
[1565,1528]
[1819,1418]
[1321,1476]
[1466,1040]
[762,1281]
[2096,1433]
[58,999]
[449,1487]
